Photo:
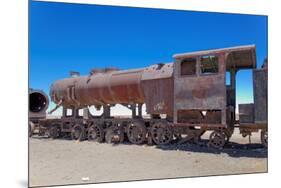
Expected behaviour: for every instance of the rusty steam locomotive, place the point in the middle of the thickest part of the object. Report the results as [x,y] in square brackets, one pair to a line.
[183,99]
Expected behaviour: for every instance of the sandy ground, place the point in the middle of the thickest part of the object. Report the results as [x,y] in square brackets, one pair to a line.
[57,162]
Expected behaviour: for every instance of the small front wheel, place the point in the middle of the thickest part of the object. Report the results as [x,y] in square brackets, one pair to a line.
[217,139]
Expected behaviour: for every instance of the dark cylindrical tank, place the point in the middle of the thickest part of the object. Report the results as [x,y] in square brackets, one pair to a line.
[100,87]
[38,103]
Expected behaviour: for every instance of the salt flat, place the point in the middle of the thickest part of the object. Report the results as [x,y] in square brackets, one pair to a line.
[57,162]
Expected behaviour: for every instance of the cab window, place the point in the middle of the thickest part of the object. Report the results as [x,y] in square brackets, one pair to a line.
[209,64]
[188,67]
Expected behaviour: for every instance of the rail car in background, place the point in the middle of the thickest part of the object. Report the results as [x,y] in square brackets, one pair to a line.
[183,99]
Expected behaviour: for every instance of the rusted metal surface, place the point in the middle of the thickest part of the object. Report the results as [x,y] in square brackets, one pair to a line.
[158,71]
[246,113]
[100,88]
[123,87]
[196,90]
[202,125]
[161,96]
[157,85]
[230,94]
[197,117]
[260,84]
[200,92]
[253,126]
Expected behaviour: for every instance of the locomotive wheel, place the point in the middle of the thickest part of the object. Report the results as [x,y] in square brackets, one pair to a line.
[161,133]
[264,138]
[96,133]
[78,132]
[136,132]
[114,135]
[217,139]
[54,132]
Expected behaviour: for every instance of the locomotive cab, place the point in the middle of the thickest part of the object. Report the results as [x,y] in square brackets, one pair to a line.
[201,96]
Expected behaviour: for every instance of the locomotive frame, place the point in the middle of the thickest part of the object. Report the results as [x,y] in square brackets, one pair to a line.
[184,99]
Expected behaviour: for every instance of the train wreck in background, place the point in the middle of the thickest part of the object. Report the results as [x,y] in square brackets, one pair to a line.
[184,99]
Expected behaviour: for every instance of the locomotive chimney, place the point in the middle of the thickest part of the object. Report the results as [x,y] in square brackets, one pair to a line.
[74,74]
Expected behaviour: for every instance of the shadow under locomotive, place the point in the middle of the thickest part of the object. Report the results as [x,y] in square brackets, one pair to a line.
[232,149]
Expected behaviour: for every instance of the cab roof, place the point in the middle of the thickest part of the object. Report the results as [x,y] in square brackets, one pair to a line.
[239,57]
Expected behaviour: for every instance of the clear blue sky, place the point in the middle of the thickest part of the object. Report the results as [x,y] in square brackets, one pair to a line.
[65,37]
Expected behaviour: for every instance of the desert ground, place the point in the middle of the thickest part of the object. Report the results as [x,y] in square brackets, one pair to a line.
[61,161]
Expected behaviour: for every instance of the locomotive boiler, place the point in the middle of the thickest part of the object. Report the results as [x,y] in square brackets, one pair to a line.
[183,99]
[103,87]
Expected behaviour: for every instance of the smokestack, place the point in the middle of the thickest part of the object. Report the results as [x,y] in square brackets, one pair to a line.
[74,74]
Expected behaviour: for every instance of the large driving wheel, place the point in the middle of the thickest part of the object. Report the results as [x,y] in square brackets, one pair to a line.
[264,138]
[114,135]
[54,131]
[136,132]
[96,133]
[161,133]
[217,139]
[78,132]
